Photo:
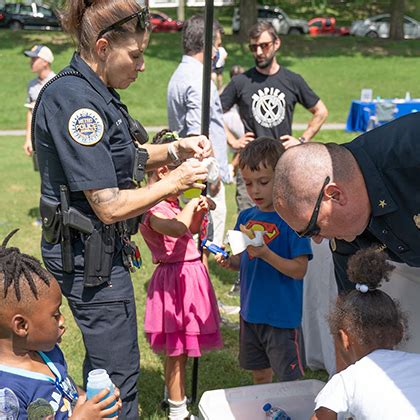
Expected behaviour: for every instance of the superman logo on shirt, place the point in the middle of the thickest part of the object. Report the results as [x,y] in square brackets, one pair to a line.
[272,231]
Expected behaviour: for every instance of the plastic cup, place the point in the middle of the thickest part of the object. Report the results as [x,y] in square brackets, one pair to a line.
[192,192]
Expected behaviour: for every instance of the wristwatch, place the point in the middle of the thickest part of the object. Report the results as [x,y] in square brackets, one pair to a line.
[302,139]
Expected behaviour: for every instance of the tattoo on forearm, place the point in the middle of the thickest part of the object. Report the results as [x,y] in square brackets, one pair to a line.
[102,197]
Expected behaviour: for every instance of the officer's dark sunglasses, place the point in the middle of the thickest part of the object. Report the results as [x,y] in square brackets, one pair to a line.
[143,21]
[313,229]
[263,45]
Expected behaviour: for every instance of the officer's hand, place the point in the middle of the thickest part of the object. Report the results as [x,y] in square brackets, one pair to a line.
[95,409]
[190,174]
[289,141]
[27,147]
[197,146]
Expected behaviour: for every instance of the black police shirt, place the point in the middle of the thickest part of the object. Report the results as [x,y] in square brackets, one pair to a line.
[389,158]
[82,138]
[266,103]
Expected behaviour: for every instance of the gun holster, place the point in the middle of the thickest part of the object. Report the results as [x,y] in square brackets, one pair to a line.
[51,219]
[132,225]
[99,254]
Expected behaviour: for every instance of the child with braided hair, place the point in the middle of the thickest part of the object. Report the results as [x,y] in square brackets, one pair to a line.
[32,367]
[377,382]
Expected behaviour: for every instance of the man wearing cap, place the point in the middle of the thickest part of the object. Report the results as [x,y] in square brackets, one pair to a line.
[41,59]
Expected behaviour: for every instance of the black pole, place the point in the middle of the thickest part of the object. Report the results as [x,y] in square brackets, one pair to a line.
[208,46]
[205,124]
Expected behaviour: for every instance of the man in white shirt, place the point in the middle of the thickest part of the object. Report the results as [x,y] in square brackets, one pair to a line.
[184,111]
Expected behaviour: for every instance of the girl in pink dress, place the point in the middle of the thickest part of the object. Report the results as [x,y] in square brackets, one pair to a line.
[182,317]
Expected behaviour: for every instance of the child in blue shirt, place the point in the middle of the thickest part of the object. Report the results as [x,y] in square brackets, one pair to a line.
[271,275]
[34,383]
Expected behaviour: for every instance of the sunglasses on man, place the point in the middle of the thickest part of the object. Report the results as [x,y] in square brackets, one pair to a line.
[313,229]
[143,22]
[263,45]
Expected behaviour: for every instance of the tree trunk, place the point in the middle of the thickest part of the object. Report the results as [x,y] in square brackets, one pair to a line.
[181,10]
[248,12]
[396,30]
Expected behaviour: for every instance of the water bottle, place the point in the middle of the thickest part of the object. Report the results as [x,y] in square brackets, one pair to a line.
[98,379]
[275,413]
[407,96]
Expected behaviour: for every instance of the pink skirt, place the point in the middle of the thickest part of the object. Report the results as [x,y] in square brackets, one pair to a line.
[182,316]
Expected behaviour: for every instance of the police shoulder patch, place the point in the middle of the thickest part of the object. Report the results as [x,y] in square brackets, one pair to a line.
[86,127]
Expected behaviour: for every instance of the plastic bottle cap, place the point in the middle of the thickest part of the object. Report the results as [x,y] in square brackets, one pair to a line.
[267,407]
[99,378]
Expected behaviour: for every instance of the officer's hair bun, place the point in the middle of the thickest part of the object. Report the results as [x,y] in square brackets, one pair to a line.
[369,266]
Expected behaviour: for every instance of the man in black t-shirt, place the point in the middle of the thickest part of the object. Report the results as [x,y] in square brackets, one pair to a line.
[267,94]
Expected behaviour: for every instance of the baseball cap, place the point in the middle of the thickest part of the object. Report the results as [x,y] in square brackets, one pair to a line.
[41,51]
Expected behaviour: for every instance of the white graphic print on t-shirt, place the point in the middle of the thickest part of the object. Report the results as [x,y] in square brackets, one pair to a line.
[269,107]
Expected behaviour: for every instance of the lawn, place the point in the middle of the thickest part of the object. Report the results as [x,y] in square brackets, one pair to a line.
[19,186]
[336,68]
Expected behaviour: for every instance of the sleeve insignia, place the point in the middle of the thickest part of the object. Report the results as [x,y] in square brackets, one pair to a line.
[86,127]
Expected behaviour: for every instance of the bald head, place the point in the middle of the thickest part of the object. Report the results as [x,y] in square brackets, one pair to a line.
[301,171]
[312,204]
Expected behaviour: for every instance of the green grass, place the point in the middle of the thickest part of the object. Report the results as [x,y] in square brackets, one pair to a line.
[336,68]
[19,187]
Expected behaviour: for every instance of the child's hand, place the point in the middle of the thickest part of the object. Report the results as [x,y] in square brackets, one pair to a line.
[205,204]
[221,260]
[94,408]
[258,251]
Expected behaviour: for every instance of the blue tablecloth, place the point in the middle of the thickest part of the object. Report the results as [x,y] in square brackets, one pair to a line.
[361,111]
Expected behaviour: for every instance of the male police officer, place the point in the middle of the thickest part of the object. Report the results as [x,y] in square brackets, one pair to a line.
[363,192]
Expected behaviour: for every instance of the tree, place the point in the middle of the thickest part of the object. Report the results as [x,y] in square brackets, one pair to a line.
[248,13]
[181,10]
[396,30]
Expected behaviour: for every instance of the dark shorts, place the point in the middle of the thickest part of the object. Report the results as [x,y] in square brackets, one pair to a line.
[219,70]
[263,346]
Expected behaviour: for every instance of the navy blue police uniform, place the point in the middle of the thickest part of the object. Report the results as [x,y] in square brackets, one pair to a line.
[389,158]
[83,141]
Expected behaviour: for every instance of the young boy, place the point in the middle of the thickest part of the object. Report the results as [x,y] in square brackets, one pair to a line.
[33,372]
[271,275]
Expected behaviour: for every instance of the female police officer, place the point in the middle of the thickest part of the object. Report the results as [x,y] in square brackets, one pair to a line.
[88,152]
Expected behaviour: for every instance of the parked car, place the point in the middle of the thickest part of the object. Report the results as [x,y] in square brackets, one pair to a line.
[28,16]
[163,23]
[378,27]
[282,23]
[326,26]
